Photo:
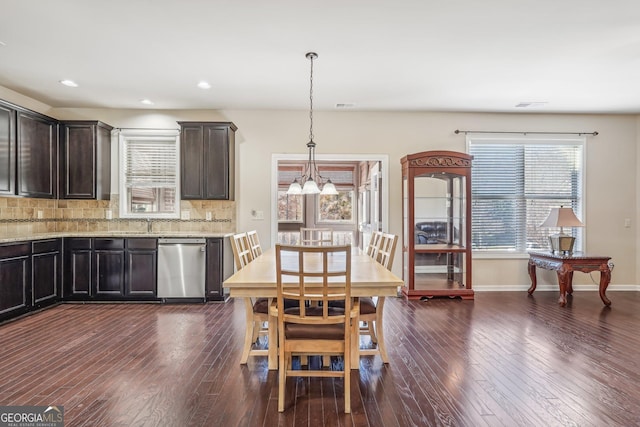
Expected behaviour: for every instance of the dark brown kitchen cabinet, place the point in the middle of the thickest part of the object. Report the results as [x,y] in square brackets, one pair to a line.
[113,269]
[109,265]
[15,279]
[141,268]
[37,142]
[207,156]
[219,268]
[78,260]
[46,265]
[85,157]
[7,150]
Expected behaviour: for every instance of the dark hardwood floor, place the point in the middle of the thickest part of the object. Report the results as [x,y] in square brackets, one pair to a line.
[505,359]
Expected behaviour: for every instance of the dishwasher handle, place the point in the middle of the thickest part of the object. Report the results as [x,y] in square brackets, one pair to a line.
[185,241]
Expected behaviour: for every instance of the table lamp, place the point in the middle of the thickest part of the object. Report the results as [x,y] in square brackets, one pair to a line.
[561,217]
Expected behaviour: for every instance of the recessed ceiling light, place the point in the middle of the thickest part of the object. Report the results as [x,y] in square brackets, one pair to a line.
[204,85]
[146,101]
[531,104]
[69,83]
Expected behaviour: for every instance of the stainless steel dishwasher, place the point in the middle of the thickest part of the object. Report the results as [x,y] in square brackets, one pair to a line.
[181,269]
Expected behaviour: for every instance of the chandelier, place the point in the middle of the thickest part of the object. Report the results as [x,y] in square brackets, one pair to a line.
[311,179]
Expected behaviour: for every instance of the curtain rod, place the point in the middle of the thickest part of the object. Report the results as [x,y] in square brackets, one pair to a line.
[594,133]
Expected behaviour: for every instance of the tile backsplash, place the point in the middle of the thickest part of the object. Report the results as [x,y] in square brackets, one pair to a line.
[26,216]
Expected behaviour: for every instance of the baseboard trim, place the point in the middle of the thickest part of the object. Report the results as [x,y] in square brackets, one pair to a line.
[545,288]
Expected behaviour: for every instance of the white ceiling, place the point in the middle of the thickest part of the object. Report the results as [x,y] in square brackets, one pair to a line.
[403,55]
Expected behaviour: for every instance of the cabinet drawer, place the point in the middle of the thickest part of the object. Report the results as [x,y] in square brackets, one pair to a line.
[142,243]
[108,243]
[17,250]
[77,243]
[42,246]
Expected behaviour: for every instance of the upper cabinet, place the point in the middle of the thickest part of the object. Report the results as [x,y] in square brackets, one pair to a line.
[207,156]
[7,150]
[37,171]
[85,160]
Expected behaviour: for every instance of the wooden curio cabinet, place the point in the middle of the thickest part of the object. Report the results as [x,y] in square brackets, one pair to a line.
[436,225]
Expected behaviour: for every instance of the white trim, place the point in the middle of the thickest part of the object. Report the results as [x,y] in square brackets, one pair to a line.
[275,158]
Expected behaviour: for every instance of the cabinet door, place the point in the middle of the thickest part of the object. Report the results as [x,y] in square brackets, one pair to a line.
[37,156]
[141,268]
[15,279]
[45,277]
[46,262]
[109,278]
[79,162]
[219,268]
[7,151]
[217,163]
[86,161]
[78,266]
[191,162]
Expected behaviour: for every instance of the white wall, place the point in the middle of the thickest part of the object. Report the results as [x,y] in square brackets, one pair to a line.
[611,173]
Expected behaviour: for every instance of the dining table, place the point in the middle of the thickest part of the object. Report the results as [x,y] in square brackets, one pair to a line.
[258,280]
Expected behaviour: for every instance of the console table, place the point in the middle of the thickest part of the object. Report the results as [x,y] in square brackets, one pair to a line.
[565,265]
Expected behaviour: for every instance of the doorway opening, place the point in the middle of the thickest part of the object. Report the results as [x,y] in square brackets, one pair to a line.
[360,208]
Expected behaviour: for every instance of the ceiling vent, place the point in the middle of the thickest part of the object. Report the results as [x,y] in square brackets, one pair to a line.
[345,106]
[530,104]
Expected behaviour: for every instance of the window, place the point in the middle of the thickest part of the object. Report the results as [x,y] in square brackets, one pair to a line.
[336,208]
[290,207]
[514,184]
[149,174]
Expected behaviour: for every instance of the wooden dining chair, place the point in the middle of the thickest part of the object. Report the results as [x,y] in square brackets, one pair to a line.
[254,243]
[257,311]
[303,274]
[371,310]
[316,236]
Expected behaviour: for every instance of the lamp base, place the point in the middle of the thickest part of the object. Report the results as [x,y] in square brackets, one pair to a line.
[561,243]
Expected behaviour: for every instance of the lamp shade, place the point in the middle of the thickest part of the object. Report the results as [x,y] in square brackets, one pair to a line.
[329,189]
[310,187]
[562,217]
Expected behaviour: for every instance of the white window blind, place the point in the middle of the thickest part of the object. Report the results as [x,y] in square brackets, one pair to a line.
[149,174]
[514,185]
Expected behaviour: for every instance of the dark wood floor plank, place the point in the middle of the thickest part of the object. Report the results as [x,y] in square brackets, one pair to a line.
[504,359]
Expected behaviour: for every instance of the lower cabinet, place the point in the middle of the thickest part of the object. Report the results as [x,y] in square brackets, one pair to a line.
[219,268]
[109,265]
[46,272]
[30,276]
[110,269]
[15,279]
[141,272]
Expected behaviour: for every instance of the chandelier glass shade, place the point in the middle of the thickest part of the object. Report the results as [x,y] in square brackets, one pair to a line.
[311,182]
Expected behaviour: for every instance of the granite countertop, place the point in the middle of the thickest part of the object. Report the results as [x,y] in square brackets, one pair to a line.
[115,234]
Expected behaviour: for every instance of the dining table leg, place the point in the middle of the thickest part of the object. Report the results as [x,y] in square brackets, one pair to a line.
[248,334]
[380,330]
[273,341]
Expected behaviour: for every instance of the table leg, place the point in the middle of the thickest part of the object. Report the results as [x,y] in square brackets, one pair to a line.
[532,274]
[379,330]
[605,278]
[355,342]
[273,342]
[570,283]
[564,280]
[248,335]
